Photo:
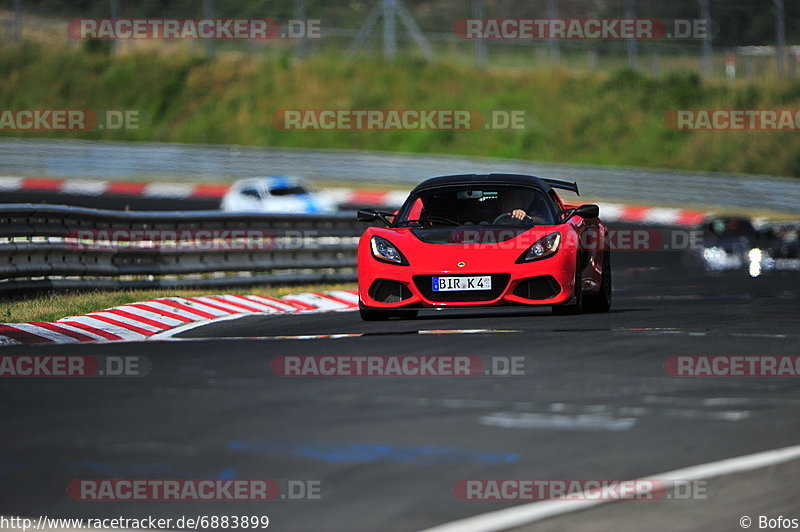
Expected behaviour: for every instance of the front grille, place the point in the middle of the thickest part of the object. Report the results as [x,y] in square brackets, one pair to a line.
[387,291]
[499,283]
[542,287]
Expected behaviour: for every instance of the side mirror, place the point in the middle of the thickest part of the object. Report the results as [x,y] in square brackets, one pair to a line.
[367,215]
[588,211]
[584,211]
[371,215]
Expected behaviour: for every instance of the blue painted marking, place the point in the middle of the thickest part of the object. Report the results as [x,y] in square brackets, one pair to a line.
[115,470]
[229,473]
[10,468]
[371,452]
[81,466]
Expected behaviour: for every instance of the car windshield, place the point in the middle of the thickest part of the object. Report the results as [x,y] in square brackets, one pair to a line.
[476,204]
[288,191]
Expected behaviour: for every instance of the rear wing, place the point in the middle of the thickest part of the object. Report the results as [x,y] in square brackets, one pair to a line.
[566,185]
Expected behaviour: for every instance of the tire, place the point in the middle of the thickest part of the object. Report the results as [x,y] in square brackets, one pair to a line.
[601,301]
[576,307]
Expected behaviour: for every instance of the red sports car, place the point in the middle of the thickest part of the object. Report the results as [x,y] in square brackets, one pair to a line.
[480,241]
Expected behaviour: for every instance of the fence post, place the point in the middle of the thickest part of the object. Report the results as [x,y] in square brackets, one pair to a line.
[553,46]
[208,12]
[115,44]
[480,44]
[300,14]
[705,14]
[780,36]
[631,44]
[389,30]
[16,28]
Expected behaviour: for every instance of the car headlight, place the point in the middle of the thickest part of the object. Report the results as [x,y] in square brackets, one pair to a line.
[542,248]
[385,251]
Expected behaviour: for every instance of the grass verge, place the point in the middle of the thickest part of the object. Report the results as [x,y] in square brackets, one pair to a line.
[571,116]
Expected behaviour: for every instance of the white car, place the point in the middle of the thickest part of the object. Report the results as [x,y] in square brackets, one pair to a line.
[276,194]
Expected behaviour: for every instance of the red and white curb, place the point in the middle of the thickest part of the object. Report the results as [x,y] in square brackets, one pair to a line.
[145,319]
[379,198]
[614,212]
[390,199]
[93,187]
[96,187]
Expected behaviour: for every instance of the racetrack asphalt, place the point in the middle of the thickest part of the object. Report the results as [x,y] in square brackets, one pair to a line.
[594,403]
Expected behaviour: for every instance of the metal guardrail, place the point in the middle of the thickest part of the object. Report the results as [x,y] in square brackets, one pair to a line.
[60,247]
[84,160]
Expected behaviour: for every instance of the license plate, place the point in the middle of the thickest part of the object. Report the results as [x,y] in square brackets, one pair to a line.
[453,284]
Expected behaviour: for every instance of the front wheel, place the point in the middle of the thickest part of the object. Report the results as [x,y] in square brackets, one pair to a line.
[601,301]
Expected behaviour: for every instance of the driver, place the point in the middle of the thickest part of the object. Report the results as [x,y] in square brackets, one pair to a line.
[533,213]
[519,214]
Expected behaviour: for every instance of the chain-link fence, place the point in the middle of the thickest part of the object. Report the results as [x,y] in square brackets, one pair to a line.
[738,39]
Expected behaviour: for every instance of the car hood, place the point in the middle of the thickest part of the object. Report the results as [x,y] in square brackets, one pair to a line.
[472,234]
[456,239]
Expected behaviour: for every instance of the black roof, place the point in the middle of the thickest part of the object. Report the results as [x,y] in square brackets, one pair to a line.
[504,179]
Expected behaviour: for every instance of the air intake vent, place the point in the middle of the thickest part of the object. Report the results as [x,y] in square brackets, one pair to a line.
[543,287]
[387,291]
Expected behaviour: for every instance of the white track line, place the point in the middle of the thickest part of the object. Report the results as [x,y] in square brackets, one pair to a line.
[537,511]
